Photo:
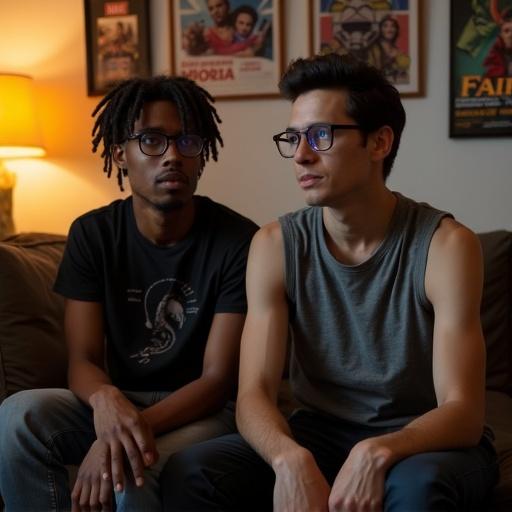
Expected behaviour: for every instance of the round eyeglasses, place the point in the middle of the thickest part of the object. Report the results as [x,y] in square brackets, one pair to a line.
[156,143]
[319,137]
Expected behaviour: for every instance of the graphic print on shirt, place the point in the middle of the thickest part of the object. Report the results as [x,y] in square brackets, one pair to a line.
[167,305]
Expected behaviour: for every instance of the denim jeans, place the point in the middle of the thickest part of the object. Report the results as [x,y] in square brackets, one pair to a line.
[227,474]
[42,431]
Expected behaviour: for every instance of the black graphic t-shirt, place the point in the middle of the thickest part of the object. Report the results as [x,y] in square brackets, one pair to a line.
[158,302]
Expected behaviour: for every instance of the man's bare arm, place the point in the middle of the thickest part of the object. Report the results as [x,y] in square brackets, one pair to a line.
[119,424]
[212,389]
[453,283]
[117,421]
[263,348]
[299,483]
[85,338]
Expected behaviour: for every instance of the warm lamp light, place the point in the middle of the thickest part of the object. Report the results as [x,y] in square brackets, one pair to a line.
[20,137]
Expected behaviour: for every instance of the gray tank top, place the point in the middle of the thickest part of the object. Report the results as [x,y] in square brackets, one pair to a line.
[362,335]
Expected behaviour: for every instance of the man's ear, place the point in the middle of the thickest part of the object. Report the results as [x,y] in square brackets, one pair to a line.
[381,142]
[119,155]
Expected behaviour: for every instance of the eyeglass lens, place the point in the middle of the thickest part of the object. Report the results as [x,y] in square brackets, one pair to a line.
[319,138]
[156,144]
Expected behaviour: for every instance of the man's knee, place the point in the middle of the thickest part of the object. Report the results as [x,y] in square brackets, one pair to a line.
[419,485]
[200,476]
[220,474]
[32,405]
[31,412]
[22,409]
[185,473]
[20,414]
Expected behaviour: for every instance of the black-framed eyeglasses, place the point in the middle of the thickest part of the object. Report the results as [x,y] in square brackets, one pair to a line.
[319,137]
[156,143]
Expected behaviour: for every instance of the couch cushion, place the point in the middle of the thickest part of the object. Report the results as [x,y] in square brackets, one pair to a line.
[496,310]
[32,348]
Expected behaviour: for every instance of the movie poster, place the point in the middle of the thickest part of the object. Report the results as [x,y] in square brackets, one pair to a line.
[481,68]
[384,33]
[117,42]
[117,55]
[232,49]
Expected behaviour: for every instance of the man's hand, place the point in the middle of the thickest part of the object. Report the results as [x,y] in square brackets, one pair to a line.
[300,485]
[121,426]
[93,486]
[359,485]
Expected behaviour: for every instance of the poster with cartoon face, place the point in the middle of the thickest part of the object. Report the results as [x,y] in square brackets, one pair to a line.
[384,33]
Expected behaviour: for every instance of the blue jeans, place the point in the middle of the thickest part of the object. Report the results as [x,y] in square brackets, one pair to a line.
[227,474]
[42,431]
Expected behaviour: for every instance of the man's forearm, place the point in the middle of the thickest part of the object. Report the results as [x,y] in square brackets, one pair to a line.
[199,398]
[264,427]
[86,378]
[449,426]
[299,483]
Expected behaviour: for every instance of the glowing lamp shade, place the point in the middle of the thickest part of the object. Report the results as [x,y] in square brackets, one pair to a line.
[20,135]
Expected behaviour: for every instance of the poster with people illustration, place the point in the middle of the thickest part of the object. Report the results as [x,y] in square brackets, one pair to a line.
[231,47]
[481,68]
[117,42]
[384,33]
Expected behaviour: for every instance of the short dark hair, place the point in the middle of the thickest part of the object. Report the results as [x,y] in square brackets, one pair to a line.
[121,107]
[372,101]
[244,9]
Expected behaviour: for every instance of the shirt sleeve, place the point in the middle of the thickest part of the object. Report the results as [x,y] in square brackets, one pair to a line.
[78,276]
[232,297]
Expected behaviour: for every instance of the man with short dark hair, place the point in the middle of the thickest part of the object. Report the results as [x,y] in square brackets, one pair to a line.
[382,298]
[155,308]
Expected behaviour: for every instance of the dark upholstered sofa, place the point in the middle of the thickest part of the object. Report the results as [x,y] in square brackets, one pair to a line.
[33,354]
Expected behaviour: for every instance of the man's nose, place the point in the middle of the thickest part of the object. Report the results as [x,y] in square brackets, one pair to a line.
[171,153]
[304,152]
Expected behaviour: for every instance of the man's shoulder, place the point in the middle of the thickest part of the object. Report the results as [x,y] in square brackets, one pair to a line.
[451,235]
[106,213]
[419,213]
[303,219]
[101,224]
[225,219]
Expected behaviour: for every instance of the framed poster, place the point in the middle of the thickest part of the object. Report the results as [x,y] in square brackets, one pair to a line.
[480,68]
[231,48]
[117,42]
[384,33]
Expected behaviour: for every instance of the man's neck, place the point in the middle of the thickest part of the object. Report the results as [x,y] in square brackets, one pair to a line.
[164,227]
[354,230]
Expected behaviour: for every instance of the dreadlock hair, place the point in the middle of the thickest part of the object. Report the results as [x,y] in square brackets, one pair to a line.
[121,107]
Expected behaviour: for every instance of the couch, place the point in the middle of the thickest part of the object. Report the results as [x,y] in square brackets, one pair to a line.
[33,353]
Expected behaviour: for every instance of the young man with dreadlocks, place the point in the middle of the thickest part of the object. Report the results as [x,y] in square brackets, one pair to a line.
[155,307]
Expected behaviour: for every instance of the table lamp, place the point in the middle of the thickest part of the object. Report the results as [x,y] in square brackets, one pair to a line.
[20,137]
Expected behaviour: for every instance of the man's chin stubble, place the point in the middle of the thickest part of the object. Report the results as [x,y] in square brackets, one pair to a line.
[170,206]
